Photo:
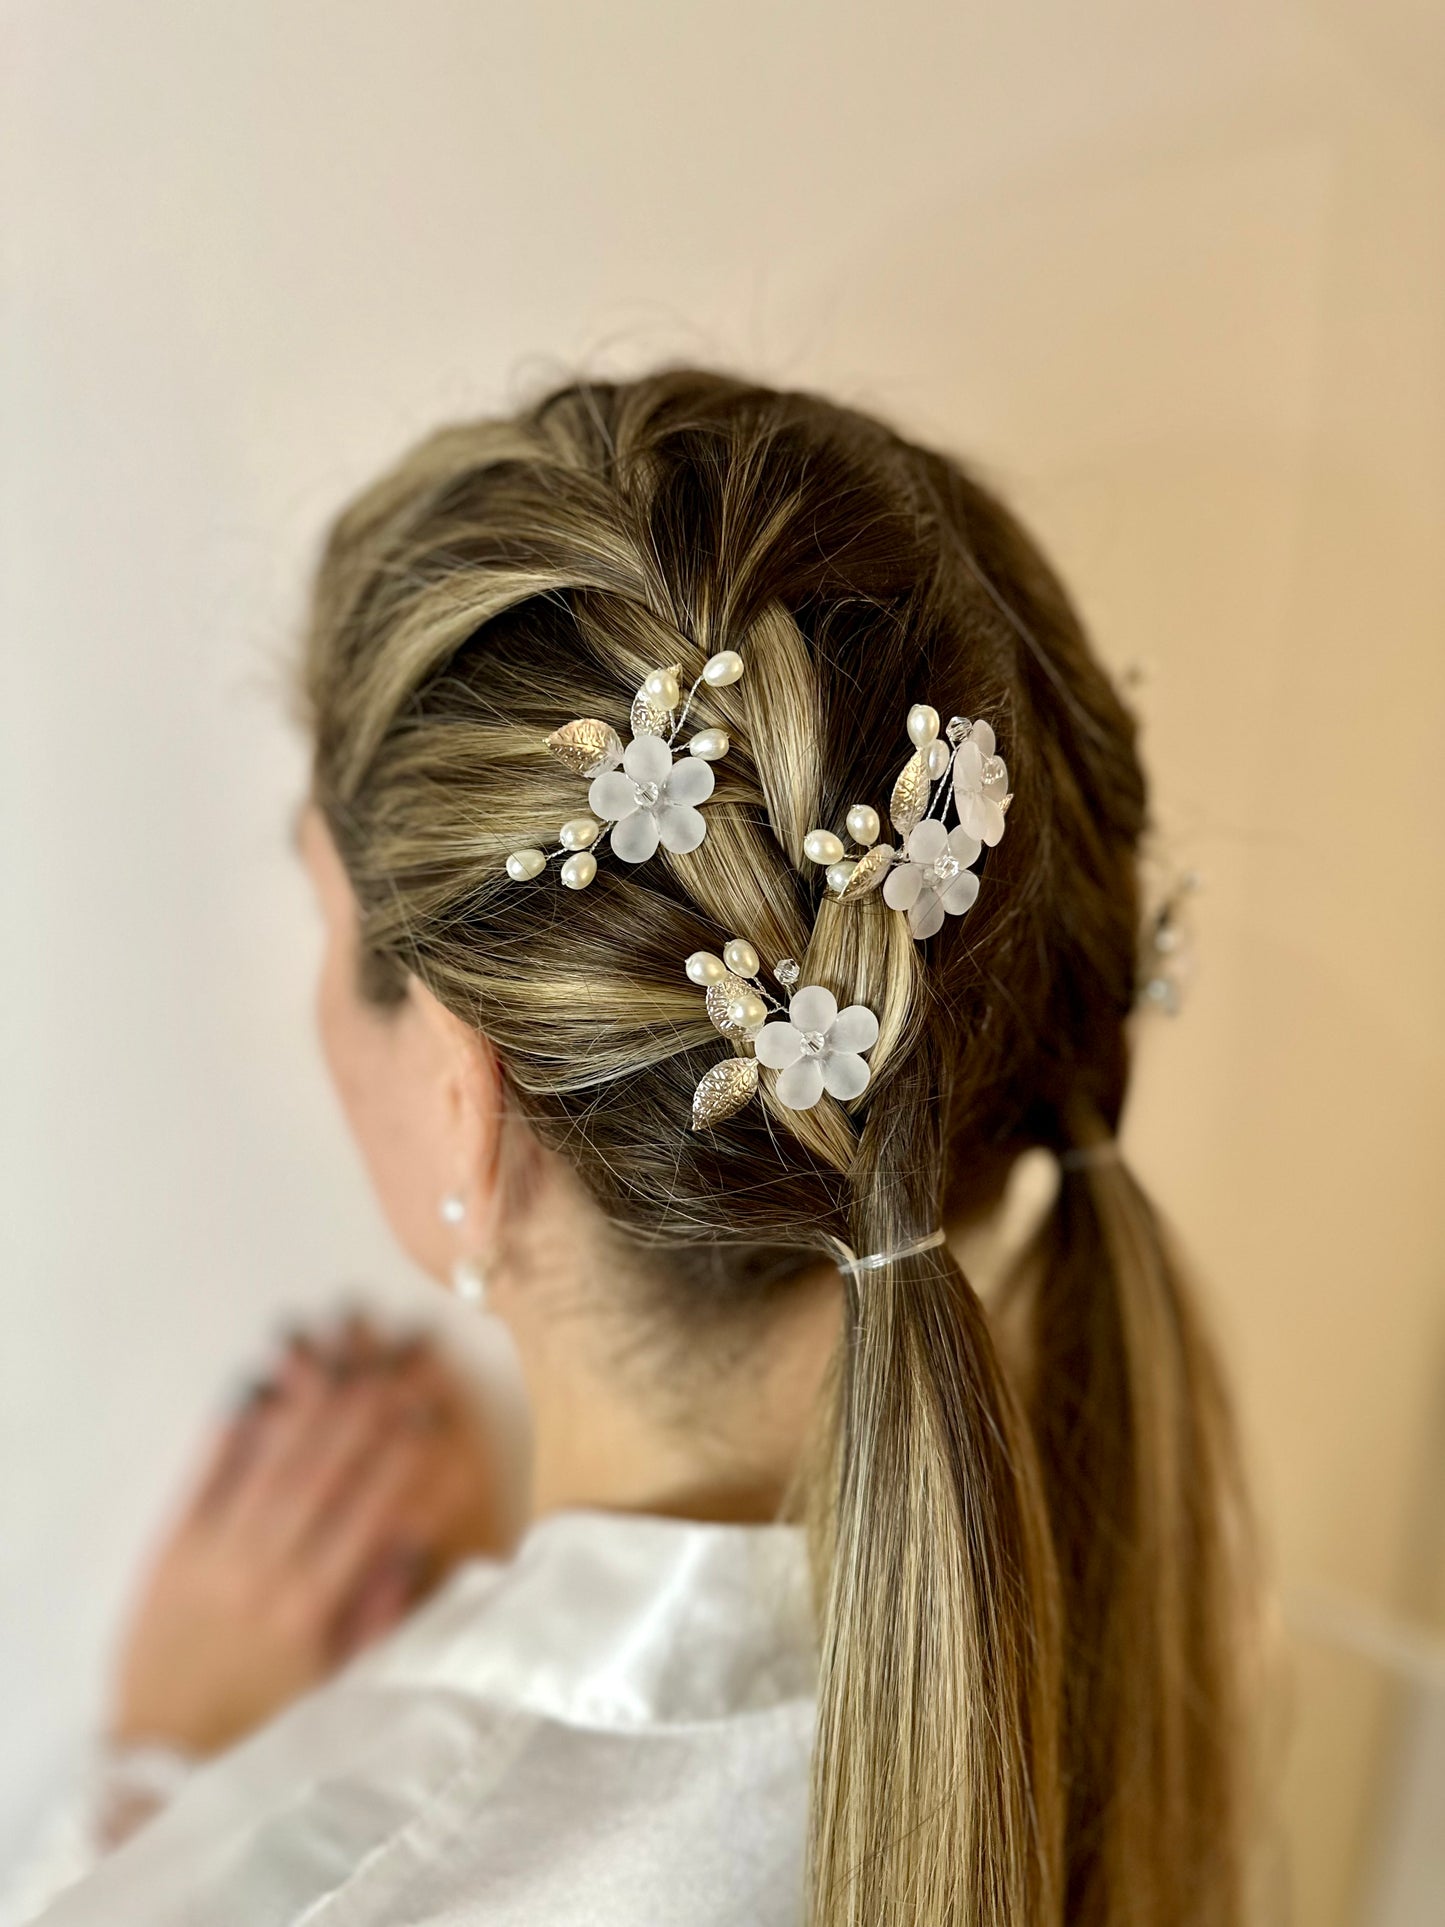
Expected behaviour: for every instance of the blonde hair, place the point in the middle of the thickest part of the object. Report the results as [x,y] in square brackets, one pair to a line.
[1031,1557]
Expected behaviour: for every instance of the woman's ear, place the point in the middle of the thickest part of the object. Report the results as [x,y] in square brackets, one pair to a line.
[470,1101]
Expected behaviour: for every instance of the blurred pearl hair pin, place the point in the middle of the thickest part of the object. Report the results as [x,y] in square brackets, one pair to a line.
[876,1260]
[810,1043]
[641,796]
[930,876]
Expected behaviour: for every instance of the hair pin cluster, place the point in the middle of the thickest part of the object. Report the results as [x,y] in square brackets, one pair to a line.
[810,1044]
[646,794]
[930,875]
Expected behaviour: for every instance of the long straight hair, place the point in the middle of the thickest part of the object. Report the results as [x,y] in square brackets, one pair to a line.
[1031,1555]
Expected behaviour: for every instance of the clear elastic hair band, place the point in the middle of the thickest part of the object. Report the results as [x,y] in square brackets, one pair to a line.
[876,1260]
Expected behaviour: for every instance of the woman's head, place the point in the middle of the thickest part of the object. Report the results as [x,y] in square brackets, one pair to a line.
[509,575]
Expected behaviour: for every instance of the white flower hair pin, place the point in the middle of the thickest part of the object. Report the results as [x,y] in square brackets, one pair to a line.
[930,876]
[647,793]
[811,1045]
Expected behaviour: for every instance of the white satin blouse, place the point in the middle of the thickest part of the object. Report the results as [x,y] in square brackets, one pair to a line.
[612,1728]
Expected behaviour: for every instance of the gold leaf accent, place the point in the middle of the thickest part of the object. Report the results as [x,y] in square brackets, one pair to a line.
[724,1090]
[719,996]
[650,718]
[910,793]
[868,872]
[586,746]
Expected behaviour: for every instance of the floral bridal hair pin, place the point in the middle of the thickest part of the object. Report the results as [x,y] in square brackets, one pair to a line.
[645,794]
[930,875]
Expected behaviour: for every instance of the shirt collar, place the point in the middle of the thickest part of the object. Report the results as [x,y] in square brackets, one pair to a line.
[616,1619]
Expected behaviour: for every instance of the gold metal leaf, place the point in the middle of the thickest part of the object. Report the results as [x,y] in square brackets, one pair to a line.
[910,793]
[868,873]
[586,746]
[724,1090]
[650,718]
[719,996]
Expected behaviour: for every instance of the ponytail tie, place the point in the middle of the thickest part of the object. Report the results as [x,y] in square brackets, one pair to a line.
[1086,1157]
[876,1260]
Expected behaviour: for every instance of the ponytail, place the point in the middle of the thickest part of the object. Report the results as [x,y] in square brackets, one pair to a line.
[1134,1439]
[936,1792]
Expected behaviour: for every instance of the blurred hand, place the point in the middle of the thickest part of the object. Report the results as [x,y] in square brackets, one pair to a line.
[346,1487]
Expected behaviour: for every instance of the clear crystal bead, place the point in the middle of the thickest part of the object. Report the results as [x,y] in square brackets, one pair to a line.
[788,972]
[814,1043]
[957,728]
[646,794]
[947,867]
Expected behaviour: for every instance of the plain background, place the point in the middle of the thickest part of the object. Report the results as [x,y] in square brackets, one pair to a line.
[1174,274]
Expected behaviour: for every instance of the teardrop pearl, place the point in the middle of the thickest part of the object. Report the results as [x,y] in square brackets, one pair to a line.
[661,685]
[821,846]
[704,968]
[938,755]
[740,958]
[578,871]
[923,724]
[710,744]
[748,1012]
[725,667]
[839,873]
[580,834]
[863,824]
[522,865]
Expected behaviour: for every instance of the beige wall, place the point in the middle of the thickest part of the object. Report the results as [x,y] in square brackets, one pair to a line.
[1175,273]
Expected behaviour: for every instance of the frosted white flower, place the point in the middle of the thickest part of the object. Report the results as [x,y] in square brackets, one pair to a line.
[652,800]
[818,1048]
[980,784]
[934,880]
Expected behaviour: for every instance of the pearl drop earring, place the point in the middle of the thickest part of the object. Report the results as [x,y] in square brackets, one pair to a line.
[453,1208]
[469,1281]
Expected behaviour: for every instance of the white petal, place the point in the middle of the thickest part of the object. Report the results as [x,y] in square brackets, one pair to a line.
[901,886]
[855,1028]
[927,843]
[801,1084]
[845,1075]
[993,821]
[634,838]
[983,735]
[690,781]
[965,847]
[967,769]
[647,759]
[612,795]
[926,916]
[973,808]
[777,1046]
[681,828]
[813,1008]
[960,894]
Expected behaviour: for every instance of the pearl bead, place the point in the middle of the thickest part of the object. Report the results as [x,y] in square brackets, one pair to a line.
[839,873]
[578,871]
[863,824]
[704,968]
[923,724]
[740,958]
[579,834]
[748,1012]
[710,744]
[725,667]
[453,1208]
[938,755]
[661,685]
[821,846]
[522,865]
